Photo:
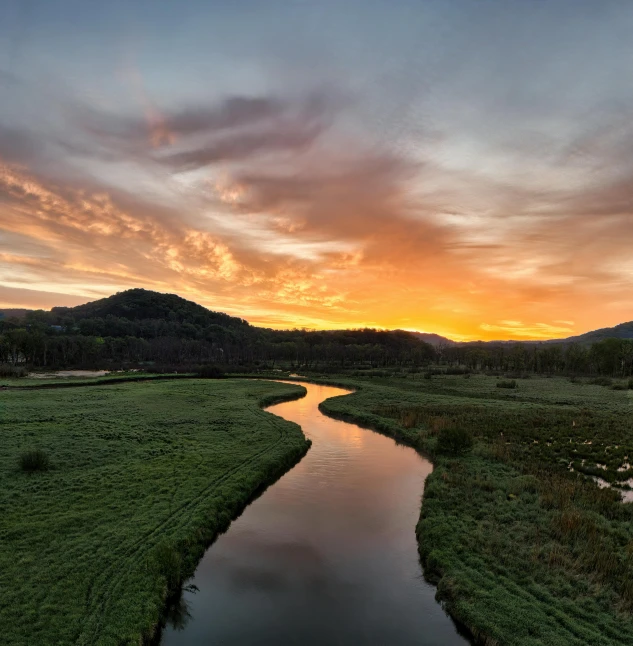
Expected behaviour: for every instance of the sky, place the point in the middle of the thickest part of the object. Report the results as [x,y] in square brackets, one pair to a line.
[462,168]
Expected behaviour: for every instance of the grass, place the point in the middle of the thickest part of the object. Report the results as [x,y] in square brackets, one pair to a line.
[146,475]
[524,551]
[71,382]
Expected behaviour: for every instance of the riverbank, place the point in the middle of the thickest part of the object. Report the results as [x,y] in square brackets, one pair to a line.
[523,550]
[141,478]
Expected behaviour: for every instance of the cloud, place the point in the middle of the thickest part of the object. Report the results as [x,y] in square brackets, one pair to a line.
[285,209]
[234,128]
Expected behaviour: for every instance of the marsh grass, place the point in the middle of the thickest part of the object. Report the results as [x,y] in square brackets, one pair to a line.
[524,551]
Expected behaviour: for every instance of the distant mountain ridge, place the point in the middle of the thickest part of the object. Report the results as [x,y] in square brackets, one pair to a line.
[621,331]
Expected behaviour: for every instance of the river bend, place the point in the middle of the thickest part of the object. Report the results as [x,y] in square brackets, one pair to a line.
[327,555]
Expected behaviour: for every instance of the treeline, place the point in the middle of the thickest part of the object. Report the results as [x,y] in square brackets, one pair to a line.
[140,328]
[608,357]
[41,348]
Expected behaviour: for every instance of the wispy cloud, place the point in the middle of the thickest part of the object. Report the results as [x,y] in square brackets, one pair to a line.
[303,178]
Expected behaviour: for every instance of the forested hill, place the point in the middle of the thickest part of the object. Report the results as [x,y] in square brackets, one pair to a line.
[144,305]
[622,331]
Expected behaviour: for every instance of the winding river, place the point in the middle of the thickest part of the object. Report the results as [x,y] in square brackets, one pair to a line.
[327,555]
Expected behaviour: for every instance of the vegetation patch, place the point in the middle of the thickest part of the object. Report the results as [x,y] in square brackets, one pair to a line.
[36,460]
[454,441]
[523,549]
[146,475]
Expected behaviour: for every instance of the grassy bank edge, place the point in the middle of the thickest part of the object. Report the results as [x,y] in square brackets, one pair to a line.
[192,550]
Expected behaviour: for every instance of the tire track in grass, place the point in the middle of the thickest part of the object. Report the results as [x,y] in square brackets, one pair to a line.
[139,549]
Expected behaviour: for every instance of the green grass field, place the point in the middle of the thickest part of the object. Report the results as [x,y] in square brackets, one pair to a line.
[143,476]
[525,551]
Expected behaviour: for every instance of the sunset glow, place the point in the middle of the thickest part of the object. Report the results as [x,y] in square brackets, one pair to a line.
[457,168]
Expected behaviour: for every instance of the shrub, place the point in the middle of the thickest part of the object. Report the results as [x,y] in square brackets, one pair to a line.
[210,372]
[630,384]
[454,441]
[510,383]
[36,460]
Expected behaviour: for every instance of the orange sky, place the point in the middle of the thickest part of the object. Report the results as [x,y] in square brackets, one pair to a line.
[364,250]
[479,191]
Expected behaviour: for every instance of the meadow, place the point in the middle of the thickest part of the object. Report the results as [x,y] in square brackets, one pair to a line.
[138,479]
[525,547]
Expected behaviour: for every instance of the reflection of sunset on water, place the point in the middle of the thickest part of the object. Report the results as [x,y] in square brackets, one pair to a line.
[328,553]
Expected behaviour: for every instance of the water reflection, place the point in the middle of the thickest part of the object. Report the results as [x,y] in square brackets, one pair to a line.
[178,611]
[327,555]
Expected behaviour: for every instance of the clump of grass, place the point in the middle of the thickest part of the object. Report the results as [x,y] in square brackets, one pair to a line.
[35,460]
[508,383]
[454,440]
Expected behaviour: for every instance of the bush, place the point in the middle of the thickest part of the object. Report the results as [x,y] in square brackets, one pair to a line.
[210,372]
[510,383]
[36,460]
[454,441]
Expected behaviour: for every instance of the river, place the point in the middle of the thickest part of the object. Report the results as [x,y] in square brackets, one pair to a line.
[327,555]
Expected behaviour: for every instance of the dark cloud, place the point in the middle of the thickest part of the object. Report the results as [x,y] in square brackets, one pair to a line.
[233,112]
[244,146]
[232,129]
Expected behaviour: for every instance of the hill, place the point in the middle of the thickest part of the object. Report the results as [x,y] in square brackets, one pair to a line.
[143,305]
[621,331]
